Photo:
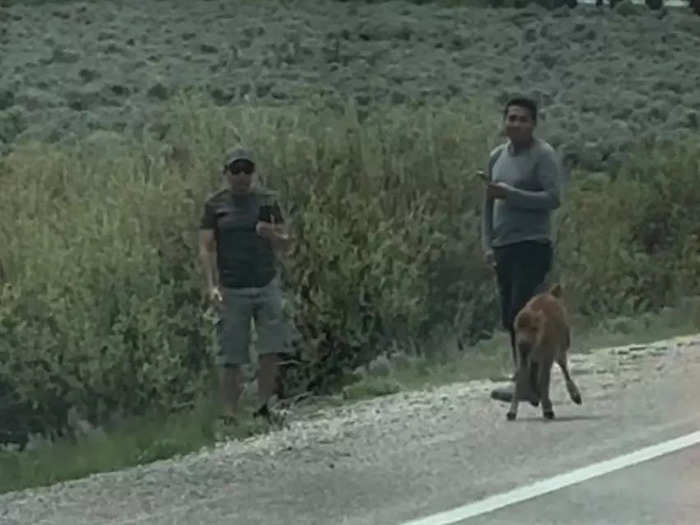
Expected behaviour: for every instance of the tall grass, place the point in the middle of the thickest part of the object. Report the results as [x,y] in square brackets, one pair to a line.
[101,310]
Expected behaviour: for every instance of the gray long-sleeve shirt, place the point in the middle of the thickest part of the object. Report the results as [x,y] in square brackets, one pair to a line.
[533,179]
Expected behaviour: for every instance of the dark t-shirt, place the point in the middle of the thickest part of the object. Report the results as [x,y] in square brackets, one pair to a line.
[244,259]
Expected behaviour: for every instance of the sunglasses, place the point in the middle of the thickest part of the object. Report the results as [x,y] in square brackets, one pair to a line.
[237,167]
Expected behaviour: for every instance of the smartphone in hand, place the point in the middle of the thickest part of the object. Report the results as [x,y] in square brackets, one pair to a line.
[265,213]
[270,213]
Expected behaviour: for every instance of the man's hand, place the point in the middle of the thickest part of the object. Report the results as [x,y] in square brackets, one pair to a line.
[490,259]
[271,231]
[215,297]
[496,190]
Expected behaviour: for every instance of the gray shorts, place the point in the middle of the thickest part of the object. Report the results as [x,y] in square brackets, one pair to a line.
[264,307]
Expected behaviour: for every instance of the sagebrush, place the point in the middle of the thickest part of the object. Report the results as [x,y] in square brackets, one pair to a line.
[101,307]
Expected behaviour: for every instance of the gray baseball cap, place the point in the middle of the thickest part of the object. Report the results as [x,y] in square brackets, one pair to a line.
[239,154]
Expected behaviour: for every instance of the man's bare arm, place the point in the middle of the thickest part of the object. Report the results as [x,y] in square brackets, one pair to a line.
[207,257]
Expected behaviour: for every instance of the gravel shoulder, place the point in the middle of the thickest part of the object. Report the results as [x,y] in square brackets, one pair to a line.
[394,458]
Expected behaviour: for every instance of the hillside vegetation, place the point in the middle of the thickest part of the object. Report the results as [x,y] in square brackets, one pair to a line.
[370,120]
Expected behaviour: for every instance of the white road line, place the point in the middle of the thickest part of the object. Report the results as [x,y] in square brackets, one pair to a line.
[561,481]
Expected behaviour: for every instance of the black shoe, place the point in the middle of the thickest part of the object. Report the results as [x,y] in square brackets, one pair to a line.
[505,394]
[228,419]
[268,415]
[263,411]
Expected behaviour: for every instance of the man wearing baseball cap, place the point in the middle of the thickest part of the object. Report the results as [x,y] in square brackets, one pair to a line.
[241,232]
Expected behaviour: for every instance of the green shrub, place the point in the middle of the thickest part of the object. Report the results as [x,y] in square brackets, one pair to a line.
[385,213]
[631,244]
[101,307]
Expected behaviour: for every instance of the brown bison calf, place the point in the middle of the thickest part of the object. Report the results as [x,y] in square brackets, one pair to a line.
[542,336]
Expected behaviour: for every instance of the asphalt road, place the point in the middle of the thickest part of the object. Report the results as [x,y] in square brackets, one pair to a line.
[412,457]
[665,491]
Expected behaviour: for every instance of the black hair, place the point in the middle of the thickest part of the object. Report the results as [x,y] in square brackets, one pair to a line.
[522,102]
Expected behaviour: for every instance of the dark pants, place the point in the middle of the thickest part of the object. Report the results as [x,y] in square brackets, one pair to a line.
[521,269]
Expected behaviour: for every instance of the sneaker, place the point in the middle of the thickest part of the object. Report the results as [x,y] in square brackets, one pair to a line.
[505,394]
[228,416]
[270,416]
[263,412]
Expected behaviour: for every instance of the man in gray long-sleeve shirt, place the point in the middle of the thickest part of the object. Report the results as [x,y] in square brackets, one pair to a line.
[523,189]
